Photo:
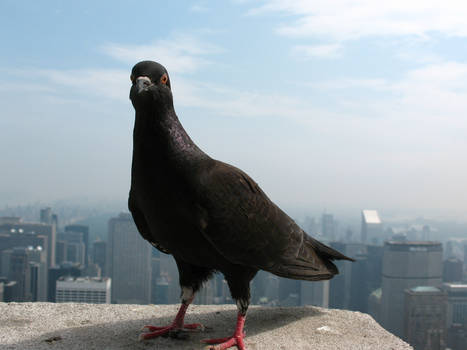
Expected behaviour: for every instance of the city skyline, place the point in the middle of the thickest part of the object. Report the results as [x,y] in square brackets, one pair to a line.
[365,110]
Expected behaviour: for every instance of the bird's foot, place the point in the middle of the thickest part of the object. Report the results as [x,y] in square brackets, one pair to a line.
[173,331]
[225,343]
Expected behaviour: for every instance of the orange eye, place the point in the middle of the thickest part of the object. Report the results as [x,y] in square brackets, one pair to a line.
[164,79]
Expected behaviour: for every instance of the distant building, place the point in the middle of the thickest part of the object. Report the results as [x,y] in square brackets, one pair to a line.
[205,296]
[99,251]
[457,303]
[314,293]
[83,290]
[46,215]
[14,233]
[328,227]
[54,273]
[129,262]
[452,270]
[169,270]
[84,230]
[372,228]
[11,291]
[21,273]
[374,304]
[457,337]
[38,265]
[406,265]
[161,291]
[74,247]
[425,318]
[341,285]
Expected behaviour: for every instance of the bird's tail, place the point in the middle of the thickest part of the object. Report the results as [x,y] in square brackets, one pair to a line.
[312,262]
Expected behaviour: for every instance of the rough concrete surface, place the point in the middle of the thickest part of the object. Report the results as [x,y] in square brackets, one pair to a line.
[86,326]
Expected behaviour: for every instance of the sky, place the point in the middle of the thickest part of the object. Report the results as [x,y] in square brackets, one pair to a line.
[328,105]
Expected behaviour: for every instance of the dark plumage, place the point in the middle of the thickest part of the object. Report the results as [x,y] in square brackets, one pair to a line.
[209,215]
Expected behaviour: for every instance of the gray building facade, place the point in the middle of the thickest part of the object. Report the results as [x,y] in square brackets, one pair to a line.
[407,265]
[129,262]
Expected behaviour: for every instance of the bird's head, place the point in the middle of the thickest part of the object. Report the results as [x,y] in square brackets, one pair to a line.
[150,85]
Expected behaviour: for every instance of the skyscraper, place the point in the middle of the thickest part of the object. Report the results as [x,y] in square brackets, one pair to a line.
[74,247]
[452,270]
[372,229]
[12,232]
[99,251]
[457,303]
[314,293]
[129,262]
[341,285]
[425,318]
[21,273]
[328,227]
[84,230]
[406,265]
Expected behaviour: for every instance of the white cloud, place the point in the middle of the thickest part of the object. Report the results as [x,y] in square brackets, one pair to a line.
[345,20]
[317,51]
[180,54]
[108,83]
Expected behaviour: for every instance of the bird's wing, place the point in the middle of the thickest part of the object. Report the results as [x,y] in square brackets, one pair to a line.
[142,226]
[247,228]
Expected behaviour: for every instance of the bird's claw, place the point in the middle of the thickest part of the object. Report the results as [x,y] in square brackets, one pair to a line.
[225,343]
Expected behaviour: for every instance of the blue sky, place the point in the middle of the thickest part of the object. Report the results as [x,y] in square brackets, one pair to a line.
[337,105]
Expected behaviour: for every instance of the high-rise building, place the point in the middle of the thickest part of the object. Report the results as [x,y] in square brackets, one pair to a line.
[46,215]
[341,285]
[328,227]
[457,303]
[452,270]
[99,251]
[84,230]
[23,234]
[314,293]
[372,228]
[205,296]
[406,265]
[74,246]
[425,318]
[54,273]
[83,290]
[38,265]
[129,262]
[169,270]
[21,273]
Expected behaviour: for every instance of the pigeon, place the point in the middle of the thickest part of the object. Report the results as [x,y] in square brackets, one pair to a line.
[209,215]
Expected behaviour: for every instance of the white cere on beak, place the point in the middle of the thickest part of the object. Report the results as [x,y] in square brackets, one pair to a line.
[145,78]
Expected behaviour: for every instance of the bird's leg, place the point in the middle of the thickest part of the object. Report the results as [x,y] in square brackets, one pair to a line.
[237,339]
[175,329]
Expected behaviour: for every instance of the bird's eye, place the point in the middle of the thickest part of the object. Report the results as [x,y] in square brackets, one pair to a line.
[164,79]
[132,78]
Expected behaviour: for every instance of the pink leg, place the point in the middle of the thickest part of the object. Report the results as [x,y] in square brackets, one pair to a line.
[174,328]
[236,339]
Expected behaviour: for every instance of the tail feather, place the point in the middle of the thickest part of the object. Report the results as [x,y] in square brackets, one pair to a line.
[324,251]
[312,262]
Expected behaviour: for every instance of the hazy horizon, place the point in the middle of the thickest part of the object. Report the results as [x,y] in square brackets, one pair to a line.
[337,107]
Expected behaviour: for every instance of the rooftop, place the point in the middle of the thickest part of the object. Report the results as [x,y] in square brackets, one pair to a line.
[70,326]
[371,216]
[425,289]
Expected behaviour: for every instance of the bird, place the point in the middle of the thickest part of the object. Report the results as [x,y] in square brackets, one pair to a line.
[209,215]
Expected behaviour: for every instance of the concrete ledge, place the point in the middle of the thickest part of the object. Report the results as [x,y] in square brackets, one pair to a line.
[85,326]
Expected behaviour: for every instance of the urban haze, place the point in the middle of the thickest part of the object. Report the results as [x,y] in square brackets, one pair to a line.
[355,127]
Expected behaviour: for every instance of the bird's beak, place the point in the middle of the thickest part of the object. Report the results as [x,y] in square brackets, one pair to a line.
[143,83]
